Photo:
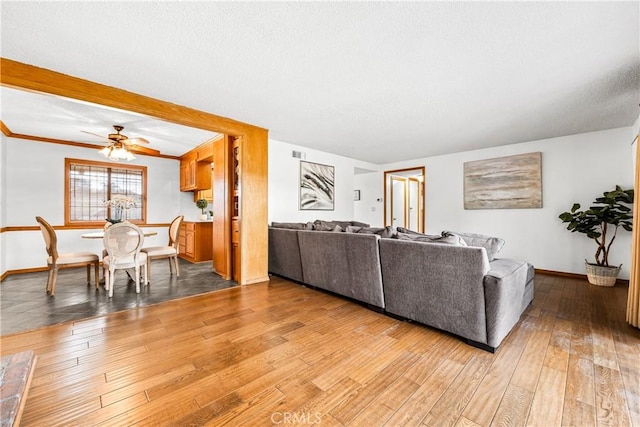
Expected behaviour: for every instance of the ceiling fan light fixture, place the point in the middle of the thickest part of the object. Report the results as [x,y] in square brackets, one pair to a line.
[116,153]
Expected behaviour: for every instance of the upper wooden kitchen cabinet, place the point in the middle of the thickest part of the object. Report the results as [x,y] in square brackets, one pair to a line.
[188,170]
[195,167]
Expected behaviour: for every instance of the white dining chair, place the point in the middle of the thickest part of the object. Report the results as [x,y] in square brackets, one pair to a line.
[58,260]
[169,251]
[123,242]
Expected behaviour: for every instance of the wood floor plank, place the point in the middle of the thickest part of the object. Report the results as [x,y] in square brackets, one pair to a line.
[514,407]
[578,414]
[347,410]
[580,381]
[485,401]
[418,405]
[277,353]
[454,400]
[546,408]
[611,404]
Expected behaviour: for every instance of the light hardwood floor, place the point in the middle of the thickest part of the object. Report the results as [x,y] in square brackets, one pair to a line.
[282,354]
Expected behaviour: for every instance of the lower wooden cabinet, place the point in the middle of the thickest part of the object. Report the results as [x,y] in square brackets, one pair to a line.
[195,241]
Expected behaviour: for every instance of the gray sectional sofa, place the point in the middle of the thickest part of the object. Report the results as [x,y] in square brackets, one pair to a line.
[437,281]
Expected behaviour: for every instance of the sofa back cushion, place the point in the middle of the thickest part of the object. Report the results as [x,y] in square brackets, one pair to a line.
[491,244]
[345,263]
[438,285]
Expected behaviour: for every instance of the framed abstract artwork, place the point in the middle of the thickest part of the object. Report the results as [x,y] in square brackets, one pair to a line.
[512,182]
[316,187]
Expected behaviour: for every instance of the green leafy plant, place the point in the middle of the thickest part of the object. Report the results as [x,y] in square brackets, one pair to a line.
[601,221]
[202,204]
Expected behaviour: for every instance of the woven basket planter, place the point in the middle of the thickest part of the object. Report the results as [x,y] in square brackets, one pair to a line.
[602,276]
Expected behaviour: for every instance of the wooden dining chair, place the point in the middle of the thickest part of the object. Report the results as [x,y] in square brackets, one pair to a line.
[123,242]
[58,260]
[169,251]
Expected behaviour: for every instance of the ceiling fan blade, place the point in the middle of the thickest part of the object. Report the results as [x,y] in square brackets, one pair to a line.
[141,150]
[99,136]
[135,141]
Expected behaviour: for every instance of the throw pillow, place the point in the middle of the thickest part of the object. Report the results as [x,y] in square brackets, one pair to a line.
[492,245]
[360,224]
[385,233]
[353,229]
[309,226]
[407,231]
[448,240]
[342,224]
[324,225]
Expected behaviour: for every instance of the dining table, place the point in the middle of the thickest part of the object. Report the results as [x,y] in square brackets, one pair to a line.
[100,234]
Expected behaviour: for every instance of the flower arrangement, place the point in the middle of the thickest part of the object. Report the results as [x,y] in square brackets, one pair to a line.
[119,203]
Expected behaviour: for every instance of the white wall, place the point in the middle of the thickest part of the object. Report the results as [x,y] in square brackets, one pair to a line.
[284,179]
[576,168]
[34,174]
[370,208]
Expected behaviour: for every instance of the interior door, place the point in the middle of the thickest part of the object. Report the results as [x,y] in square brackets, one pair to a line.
[398,201]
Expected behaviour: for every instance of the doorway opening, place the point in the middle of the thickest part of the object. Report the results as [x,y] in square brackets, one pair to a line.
[404,200]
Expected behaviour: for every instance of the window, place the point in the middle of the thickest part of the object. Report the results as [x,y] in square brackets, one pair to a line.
[88,185]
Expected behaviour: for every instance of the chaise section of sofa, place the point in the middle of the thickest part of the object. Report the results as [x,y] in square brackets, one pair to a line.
[344,263]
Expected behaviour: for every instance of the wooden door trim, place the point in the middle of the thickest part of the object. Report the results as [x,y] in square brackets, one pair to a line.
[385,187]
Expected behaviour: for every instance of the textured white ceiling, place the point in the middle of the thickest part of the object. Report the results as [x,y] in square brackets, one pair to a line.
[377,81]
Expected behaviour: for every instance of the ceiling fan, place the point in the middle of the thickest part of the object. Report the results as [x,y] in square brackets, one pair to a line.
[120,146]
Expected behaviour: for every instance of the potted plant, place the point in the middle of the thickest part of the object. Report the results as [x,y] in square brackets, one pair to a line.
[202,204]
[601,222]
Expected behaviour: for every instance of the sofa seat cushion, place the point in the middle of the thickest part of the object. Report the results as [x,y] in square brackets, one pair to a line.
[493,245]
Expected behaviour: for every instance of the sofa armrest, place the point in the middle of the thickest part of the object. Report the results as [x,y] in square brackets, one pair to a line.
[504,288]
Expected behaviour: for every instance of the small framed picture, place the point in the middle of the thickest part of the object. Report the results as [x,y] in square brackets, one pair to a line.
[356,195]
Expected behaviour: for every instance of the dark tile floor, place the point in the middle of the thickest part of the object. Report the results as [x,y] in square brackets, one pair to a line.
[25,304]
